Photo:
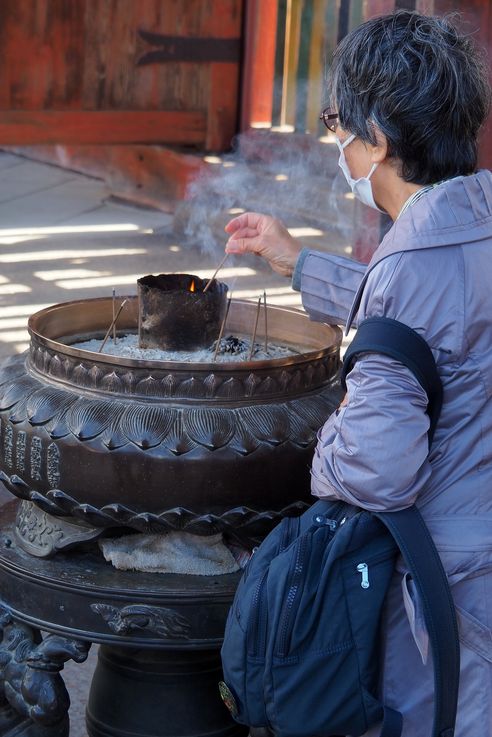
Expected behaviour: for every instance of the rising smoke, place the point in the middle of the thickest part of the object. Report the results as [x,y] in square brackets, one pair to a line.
[290,176]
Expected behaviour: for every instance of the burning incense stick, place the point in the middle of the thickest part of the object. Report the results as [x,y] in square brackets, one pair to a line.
[266,321]
[215,273]
[222,327]
[113,323]
[258,308]
[114,312]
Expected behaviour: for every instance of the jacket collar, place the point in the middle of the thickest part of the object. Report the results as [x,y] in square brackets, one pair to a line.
[456,212]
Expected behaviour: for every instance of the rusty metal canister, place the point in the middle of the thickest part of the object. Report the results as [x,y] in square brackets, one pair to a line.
[176,315]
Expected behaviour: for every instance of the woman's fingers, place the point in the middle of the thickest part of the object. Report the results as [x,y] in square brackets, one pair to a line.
[265,236]
[245,244]
[244,233]
[245,220]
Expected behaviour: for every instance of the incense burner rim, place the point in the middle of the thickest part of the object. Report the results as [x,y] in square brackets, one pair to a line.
[333,339]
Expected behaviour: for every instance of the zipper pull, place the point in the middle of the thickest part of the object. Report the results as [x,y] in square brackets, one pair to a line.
[323,521]
[363,569]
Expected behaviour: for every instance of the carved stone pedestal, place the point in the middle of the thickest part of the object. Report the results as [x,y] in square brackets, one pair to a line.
[160,634]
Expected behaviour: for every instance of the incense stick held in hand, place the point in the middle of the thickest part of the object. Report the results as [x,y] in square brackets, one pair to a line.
[258,308]
[113,323]
[215,273]
[222,327]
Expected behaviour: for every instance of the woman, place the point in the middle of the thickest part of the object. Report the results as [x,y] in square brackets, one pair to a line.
[410,95]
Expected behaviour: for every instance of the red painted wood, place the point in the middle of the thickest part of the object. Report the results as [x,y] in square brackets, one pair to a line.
[61,56]
[222,117]
[259,62]
[26,127]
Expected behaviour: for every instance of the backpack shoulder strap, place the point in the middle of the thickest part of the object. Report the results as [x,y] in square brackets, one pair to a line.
[397,340]
[419,552]
[393,338]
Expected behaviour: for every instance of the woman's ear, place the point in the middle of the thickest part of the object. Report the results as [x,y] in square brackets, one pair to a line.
[379,152]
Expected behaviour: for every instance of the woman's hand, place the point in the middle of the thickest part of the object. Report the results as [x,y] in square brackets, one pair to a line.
[265,236]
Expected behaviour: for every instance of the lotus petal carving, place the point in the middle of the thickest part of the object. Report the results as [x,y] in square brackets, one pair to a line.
[58,427]
[267,386]
[231,389]
[192,387]
[178,441]
[169,384]
[113,436]
[212,428]
[112,383]
[149,387]
[269,423]
[80,375]
[18,413]
[147,425]
[95,375]
[243,441]
[128,379]
[301,434]
[251,383]
[14,391]
[55,366]
[47,402]
[284,380]
[311,410]
[211,384]
[87,419]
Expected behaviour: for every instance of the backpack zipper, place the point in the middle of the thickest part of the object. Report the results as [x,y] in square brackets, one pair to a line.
[258,629]
[259,622]
[293,596]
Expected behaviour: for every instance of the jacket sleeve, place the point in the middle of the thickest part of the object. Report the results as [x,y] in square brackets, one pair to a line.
[374,452]
[328,284]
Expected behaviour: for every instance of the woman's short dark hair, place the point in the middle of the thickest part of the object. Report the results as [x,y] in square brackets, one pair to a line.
[425,86]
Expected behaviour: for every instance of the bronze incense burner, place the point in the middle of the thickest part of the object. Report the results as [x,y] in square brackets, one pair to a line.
[154,445]
[95,444]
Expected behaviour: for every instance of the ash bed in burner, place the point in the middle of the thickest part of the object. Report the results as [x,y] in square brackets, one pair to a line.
[176,314]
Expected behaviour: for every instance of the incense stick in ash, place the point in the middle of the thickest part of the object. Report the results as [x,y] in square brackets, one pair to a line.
[222,328]
[215,273]
[114,312]
[266,321]
[258,308]
[113,323]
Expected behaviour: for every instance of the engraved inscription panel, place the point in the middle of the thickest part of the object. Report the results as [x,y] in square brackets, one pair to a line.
[20,452]
[53,466]
[36,458]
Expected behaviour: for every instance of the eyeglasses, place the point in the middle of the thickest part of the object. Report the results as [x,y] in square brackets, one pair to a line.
[329,118]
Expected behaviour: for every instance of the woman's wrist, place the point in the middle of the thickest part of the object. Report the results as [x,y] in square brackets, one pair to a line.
[297,271]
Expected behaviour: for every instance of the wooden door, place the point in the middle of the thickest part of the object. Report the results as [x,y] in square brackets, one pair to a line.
[119,71]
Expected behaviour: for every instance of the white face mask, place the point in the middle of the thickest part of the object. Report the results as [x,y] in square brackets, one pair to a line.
[362,187]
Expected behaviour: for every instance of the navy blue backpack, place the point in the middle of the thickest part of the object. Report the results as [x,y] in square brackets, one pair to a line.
[301,646]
